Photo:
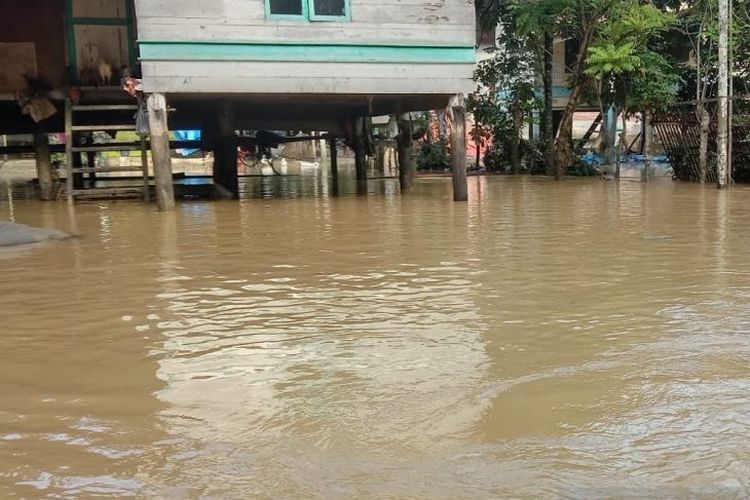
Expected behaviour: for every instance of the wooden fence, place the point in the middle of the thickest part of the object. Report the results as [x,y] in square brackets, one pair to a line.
[679,132]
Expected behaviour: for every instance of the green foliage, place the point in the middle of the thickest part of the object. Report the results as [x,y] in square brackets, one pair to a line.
[496,160]
[434,156]
[623,60]
[505,98]
[609,59]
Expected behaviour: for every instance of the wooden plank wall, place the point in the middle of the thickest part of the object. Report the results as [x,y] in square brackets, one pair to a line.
[306,78]
[97,42]
[37,23]
[418,22]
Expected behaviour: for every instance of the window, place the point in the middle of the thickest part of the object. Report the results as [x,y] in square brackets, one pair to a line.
[572,47]
[286,7]
[313,10]
[324,9]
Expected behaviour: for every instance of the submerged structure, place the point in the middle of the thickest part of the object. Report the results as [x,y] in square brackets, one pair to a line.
[228,65]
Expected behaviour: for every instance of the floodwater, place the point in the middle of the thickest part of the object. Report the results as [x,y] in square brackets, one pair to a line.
[581,339]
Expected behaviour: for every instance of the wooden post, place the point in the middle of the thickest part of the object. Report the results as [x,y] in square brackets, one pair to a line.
[144,170]
[334,158]
[226,177]
[43,164]
[406,170]
[91,163]
[458,150]
[647,140]
[334,154]
[69,147]
[360,161]
[323,151]
[380,158]
[78,178]
[161,155]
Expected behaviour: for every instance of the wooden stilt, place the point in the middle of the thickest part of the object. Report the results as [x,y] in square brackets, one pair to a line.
[144,170]
[334,158]
[69,148]
[380,158]
[91,163]
[77,177]
[458,150]
[43,164]
[323,151]
[226,177]
[157,118]
[334,154]
[360,161]
[647,140]
[406,167]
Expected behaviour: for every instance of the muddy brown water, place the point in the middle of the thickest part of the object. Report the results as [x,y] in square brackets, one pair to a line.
[580,340]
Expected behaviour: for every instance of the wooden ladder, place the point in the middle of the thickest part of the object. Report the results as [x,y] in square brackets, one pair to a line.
[73,127]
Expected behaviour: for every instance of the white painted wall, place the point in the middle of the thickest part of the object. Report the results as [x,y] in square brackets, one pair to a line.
[443,23]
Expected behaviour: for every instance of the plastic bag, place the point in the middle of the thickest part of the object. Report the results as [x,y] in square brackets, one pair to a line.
[142,127]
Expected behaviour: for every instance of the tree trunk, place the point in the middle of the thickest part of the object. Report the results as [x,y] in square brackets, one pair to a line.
[548,130]
[515,159]
[623,147]
[563,154]
[479,151]
[705,123]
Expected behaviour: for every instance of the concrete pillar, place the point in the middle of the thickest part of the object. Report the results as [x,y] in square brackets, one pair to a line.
[226,177]
[43,165]
[458,150]
[161,155]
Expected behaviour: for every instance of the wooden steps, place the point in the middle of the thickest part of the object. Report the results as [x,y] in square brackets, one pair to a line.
[78,119]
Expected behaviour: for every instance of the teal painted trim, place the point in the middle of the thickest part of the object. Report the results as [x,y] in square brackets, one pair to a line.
[306,43]
[101,21]
[286,17]
[345,18]
[70,31]
[155,51]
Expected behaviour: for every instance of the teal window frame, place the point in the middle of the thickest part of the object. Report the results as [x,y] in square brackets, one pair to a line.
[308,13]
[286,17]
[346,17]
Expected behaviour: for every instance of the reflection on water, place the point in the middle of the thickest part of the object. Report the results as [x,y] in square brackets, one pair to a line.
[576,339]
